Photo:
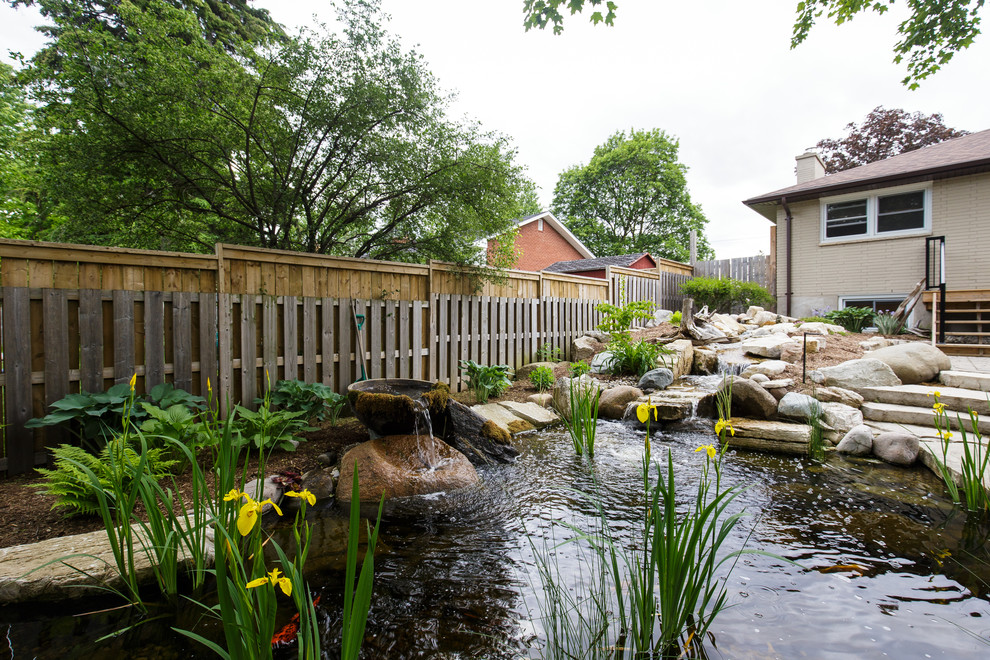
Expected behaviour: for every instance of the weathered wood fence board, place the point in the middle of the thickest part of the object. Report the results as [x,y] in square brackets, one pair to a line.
[226,325]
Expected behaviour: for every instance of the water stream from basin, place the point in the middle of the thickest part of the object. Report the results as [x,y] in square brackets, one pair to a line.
[424,436]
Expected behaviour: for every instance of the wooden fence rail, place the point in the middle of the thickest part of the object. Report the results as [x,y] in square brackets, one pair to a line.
[82,318]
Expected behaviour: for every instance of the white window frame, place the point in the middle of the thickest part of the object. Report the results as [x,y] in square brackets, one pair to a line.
[880,297]
[872,204]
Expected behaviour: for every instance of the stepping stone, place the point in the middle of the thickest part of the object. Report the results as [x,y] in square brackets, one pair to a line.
[503,418]
[969,380]
[535,414]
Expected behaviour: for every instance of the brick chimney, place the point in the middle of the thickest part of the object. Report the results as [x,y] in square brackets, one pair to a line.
[809,167]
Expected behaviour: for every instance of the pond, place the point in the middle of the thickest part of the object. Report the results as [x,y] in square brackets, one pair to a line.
[887,567]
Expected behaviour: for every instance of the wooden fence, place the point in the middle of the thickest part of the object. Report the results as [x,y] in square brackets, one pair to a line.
[83,318]
[759,269]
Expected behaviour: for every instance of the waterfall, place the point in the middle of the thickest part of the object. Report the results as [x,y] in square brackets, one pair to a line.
[427,457]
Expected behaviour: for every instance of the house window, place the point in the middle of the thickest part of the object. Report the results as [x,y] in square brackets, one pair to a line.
[539,225]
[877,304]
[900,213]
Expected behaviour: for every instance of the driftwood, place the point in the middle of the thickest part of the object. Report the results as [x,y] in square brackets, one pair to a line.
[904,309]
[697,326]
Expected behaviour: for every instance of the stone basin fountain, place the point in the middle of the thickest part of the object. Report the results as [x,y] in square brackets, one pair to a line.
[406,456]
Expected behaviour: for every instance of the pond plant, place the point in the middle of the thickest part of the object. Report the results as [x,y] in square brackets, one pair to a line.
[241,589]
[582,423]
[651,599]
[541,378]
[486,380]
[974,460]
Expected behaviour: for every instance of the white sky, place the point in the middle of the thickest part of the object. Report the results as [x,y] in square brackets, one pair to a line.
[717,75]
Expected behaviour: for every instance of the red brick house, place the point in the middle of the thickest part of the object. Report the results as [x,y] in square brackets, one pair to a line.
[543,240]
[596,267]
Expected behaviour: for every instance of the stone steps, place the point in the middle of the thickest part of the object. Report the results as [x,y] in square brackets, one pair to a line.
[923,396]
[969,380]
[916,416]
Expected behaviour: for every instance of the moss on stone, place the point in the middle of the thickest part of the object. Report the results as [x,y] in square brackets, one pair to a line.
[373,405]
[495,433]
[519,426]
[437,398]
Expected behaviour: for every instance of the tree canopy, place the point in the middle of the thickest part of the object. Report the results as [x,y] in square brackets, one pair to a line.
[884,133]
[632,197]
[159,133]
[934,31]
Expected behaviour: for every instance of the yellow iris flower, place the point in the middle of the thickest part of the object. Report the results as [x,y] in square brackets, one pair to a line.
[308,496]
[250,511]
[643,412]
[707,448]
[133,382]
[938,407]
[723,424]
[273,578]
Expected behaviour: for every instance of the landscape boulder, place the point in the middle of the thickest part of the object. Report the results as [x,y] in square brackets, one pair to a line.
[768,346]
[523,372]
[705,361]
[840,417]
[858,441]
[896,447]
[913,362]
[585,347]
[681,357]
[562,392]
[856,374]
[599,336]
[839,395]
[656,379]
[662,315]
[613,401]
[796,406]
[393,467]
[770,368]
[602,362]
[765,318]
[751,400]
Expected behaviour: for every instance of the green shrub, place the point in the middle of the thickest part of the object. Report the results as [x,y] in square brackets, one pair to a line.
[887,324]
[175,423]
[635,357]
[815,319]
[542,378]
[675,318]
[267,428]
[72,488]
[316,400]
[95,417]
[722,294]
[579,368]
[853,319]
[486,381]
[548,353]
[616,321]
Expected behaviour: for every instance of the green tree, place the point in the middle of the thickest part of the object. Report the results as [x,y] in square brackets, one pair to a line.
[632,197]
[884,133]
[934,31]
[333,143]
[20,214]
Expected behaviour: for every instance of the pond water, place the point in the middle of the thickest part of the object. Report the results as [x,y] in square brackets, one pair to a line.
[888,568]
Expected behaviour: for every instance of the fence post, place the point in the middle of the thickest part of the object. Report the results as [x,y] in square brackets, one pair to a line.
[224,346]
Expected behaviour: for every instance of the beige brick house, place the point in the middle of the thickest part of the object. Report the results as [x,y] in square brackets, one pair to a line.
[858,237]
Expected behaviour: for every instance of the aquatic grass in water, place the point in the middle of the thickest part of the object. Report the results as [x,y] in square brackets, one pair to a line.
[973,462]
[654,599]
[583,421]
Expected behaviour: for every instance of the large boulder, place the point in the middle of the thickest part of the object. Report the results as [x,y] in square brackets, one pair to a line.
[839,395]
[840,417]
[585,347]
[562,392]
[819,328]
[765,318]
[479,439]
[503,417]
[613,401]
[656,379]
[913,362]
[705,361]
[767,346]
[681,358]
[770,368]
[796,406]
[599,336]
[727,324]
[856,374]
[403,466]
[751,400]
[602,362]
[858,441]
[532,412]
[896,447]
[662,315]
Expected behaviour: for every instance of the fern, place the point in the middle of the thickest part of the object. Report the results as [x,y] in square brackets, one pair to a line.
[72,488]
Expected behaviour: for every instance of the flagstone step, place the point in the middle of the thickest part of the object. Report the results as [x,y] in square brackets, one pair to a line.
[970,380]
[923,396]
[901,414]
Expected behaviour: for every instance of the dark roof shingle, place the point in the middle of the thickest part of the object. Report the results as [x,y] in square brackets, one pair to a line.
[598,263]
